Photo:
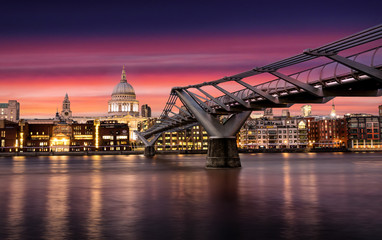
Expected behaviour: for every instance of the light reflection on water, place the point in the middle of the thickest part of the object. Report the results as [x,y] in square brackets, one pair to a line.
[274,196]
[17,197]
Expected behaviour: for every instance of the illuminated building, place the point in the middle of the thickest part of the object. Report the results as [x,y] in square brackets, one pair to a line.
[123,100]
[66,113]
[277,132]
[333,111]
[326,132]
[123,108]
[364,131]
[74,137]
[113,136]
[10,111]
[8,136]
[195,138]
[306,110]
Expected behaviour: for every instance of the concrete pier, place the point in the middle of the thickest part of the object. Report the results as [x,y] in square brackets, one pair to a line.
[222,153]
[149,151]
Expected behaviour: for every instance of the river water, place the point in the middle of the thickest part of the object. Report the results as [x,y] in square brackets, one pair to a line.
[273,196]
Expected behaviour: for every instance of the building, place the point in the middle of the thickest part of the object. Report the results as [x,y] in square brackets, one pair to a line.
[67,137]
[113,136]
[194,138]
[145,111]
[306,110]
[66,113]
[123,108]
[333,111]
[325,132]
[278,132]
[123,100]
[10,111]
[380,110]
[364,131]
[8,135]
[285,113]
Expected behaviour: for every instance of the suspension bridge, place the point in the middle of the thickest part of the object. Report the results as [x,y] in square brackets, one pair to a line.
[223,112]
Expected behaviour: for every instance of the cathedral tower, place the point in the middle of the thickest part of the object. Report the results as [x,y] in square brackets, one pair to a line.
[66,113]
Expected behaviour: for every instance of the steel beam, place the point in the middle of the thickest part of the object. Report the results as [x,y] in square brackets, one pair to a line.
[183,111]
[193,95]
[259,92]
[148,142]
[370,71]
[221,104]
[237,99]
[308,88]
[178,115]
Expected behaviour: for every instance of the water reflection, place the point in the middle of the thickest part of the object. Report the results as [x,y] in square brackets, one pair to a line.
[308,185]
[224,199]
[289,208]
[56,219]
[274,196]
[94,227]
[16,200]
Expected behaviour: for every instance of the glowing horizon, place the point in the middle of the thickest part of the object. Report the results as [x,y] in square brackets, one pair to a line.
[39,73]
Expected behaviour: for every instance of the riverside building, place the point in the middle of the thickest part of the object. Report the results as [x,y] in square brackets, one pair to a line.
[10,111]
[63,137]
[123,107]
[273,133]
[364,131]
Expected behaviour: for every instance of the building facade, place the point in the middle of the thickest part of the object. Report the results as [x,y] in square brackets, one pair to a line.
[50,136]
[194,138]
[364,131]
[327,132]
[66,113]
[8,135]
[123,100]
[10,111]
[146,111]
[278,132]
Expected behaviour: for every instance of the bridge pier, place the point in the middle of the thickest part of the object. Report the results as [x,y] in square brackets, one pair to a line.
[223,153]
[149,144]
[149,151]
[222,148]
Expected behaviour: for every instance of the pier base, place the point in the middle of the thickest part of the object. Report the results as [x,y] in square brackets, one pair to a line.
[149,151]
[222,153]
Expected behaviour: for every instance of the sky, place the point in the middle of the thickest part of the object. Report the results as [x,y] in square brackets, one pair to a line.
[51,48]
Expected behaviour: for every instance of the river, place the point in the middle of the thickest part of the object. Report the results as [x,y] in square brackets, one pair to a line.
[273,196]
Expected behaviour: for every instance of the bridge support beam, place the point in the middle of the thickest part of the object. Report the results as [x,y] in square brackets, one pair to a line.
[149,144]
[222,148]
[222,153]
[149,151]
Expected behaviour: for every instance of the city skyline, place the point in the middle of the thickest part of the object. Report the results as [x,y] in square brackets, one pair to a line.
[49,50]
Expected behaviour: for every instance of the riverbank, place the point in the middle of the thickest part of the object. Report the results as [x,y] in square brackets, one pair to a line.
[90,153]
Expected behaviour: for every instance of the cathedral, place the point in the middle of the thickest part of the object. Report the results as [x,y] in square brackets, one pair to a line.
[123,107]
[66,113]
[123,100]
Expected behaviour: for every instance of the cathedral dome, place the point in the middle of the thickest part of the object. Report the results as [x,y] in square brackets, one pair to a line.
[123,100]
[123,87]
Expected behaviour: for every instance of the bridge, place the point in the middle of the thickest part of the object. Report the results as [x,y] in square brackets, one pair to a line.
[223,112]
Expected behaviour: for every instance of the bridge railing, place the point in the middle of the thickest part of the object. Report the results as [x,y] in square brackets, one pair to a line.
[322,75]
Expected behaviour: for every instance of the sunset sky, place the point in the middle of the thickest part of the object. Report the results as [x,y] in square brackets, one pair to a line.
[47,50]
